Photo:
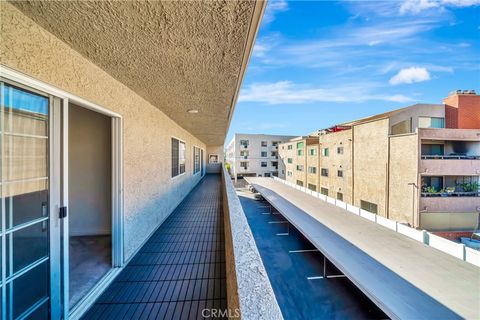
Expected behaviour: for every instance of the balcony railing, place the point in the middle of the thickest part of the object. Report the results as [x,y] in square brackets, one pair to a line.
[451,194]
[450,157]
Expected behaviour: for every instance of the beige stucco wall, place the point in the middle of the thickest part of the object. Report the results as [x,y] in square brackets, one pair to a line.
[403,198]
[370,163]
[150,194]
[336,162]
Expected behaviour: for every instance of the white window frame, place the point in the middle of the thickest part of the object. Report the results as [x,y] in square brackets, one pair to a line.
[118,262]
[196,169]
[179,141]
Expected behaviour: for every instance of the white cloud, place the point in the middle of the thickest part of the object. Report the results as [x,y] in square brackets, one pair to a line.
[410,75]
[287,92]
[273,7]
[417,6]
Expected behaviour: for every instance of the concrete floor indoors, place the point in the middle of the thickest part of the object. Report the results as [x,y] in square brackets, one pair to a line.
[90,260]
[298,296]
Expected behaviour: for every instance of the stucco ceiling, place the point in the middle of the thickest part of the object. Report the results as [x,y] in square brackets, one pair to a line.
[177,55]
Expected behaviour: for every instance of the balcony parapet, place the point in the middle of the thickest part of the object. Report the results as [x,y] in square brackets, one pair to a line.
[248,287]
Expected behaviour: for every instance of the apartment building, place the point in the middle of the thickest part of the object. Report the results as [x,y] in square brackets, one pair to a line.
[103,136]
[419,165]
[252,155]
[298,161]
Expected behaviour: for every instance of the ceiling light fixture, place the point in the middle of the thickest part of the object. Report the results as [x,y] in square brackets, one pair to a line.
[192,111]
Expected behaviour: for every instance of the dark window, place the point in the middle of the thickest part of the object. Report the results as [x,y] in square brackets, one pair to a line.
[340,150]
[175,167]
[324,191]
[312,187]
[312,170]
[196,160]
[340,173]
[324,172]
[432,150]
[368,206]
[264,143]
[264,153]
[340,196]
[264,164]
[300,183]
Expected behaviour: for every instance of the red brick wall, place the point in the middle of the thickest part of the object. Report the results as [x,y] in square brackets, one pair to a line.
[462,111]
[469,112]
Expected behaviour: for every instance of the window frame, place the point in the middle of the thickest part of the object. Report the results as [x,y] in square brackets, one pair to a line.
[180,141]
[196,166]
[322,170]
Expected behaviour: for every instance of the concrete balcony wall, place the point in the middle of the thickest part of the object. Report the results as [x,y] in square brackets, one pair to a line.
[449,167]
[450,134]
[249,291]
[450,204]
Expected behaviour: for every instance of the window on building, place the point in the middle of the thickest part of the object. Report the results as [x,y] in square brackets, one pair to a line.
[264,143]
[300,152]
[244,143]
[340,173]
[274,164]
[244,164]
[267,174]
[273,153]
[324,172]
[431,122]
[244,153]
[178,157]
[312,170]
[402,127]
[289,160]
[299,167]
[340,196]
[290,147]
[340,150]
[264,153]
[325,152]
[289,173]
[324,191]
[300,183]
[312,187]
[274,143]
[300,145]
[196,160]
[312,152]
[368,206]
[432,149]
[263,164]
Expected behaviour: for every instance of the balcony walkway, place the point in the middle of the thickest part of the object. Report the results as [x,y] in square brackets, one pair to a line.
[405,278]
[180,270]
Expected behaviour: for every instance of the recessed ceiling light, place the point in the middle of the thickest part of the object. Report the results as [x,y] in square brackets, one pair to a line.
[192,111]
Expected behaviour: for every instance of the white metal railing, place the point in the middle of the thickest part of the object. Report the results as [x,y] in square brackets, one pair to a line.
[449,157]
[458,250]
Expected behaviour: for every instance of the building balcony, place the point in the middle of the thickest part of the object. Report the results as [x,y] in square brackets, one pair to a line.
[453,203]
[450,165]
[194,262]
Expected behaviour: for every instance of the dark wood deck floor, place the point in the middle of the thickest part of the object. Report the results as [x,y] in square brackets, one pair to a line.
[180,270]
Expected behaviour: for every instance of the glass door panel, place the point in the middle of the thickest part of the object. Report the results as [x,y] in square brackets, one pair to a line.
[24,179]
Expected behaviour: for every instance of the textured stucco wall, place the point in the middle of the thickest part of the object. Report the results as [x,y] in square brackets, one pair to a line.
[149,193]
[370,163]
[403,198]
[336,162]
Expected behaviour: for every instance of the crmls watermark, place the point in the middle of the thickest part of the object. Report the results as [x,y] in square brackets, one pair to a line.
[220,313]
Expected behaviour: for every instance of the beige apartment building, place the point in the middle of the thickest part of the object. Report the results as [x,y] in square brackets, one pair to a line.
[418,165]
[298,161]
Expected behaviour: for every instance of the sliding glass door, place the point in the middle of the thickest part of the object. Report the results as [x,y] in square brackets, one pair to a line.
[28,280]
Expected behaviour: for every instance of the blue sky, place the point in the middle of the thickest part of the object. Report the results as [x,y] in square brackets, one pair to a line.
[318,63]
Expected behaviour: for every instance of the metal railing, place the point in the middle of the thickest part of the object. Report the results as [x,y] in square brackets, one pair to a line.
[450,157]
[451,194]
